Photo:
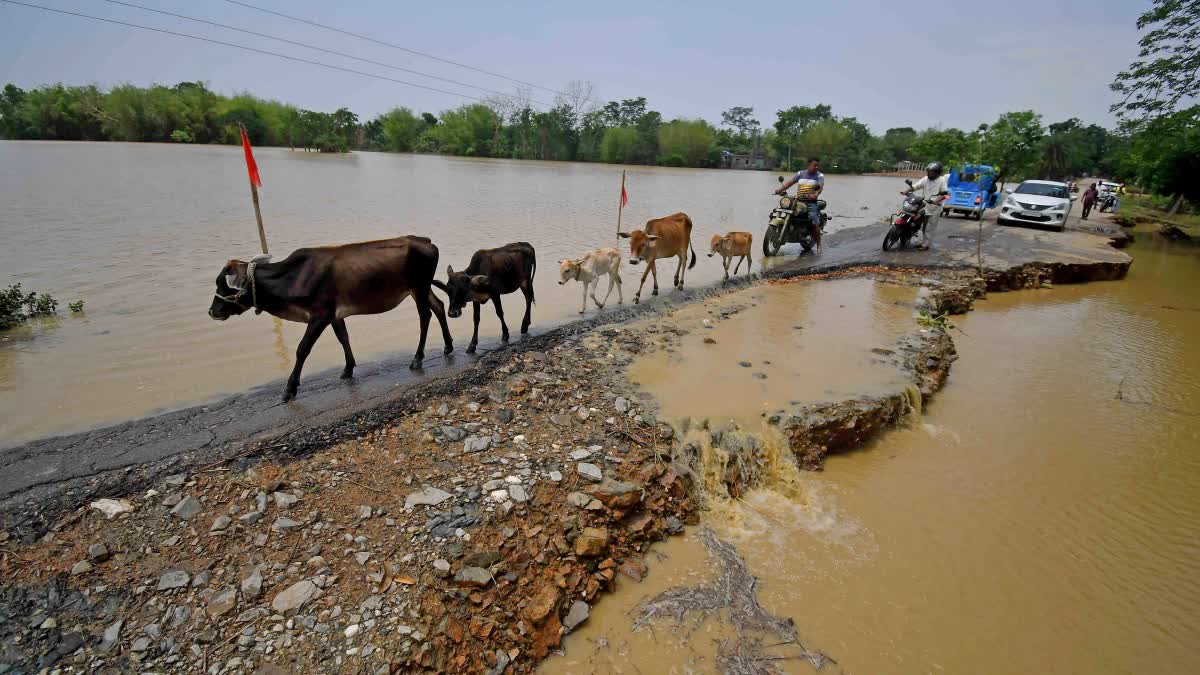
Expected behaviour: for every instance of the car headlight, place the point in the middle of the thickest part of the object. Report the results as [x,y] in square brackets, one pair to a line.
[1010,202]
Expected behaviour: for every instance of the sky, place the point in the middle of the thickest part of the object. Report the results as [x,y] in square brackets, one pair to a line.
[889,64]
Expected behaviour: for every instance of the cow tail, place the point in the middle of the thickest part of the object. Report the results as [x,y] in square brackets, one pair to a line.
[689,238]
[440,285]
[532,274]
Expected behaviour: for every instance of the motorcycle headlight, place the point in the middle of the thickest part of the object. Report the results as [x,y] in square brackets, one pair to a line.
[785,203]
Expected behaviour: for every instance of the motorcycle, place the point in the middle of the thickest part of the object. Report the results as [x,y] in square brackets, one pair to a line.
[789,224]
[1107,202]
[908,222]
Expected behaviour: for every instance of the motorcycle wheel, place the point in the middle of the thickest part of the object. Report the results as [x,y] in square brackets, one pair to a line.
[806,245]
[890,239]
[771,243]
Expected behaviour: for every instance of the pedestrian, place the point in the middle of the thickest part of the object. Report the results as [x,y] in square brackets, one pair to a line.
[1089,199]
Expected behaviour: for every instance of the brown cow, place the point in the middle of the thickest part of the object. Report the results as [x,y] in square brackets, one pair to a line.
[732,245]
[322,286]
[662,238]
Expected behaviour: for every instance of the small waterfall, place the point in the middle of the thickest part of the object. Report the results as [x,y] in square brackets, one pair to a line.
[915,401]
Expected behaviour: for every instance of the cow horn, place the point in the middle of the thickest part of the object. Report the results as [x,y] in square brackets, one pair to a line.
[449,270]
[623,235]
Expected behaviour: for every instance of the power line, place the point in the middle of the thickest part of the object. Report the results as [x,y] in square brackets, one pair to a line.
[308,46]
[393,46]
[243,47]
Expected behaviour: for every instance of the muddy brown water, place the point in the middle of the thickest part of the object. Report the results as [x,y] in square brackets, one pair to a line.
[1031,521]
[139,231]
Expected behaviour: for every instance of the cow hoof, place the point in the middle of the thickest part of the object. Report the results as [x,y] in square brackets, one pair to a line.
[637,301]
[347,374]
[524,330]
[415,364]
[654,292]
[288,395]
[470,349]
[447,349]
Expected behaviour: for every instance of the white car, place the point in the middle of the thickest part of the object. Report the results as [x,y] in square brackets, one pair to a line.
[1037,203]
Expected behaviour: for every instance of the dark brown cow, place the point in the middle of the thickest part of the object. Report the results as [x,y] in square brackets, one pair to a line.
[493,272]
[322,286]
[662,238]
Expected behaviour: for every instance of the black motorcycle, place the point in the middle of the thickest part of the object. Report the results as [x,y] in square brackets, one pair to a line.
[790,224]
[908,222]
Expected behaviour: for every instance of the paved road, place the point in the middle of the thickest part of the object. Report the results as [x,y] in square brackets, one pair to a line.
[39,480]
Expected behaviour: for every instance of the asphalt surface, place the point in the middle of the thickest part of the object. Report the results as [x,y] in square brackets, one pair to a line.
[42,479]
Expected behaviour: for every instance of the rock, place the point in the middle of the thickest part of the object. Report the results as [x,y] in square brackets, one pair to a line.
[441,567]
[518,494]
[589,471]
[291,599]
[81,567]
[453,434]
[621,404]
[284,524]
[583,413]
[285,500]
[252,585]
[364,512]
[556,476]
[49,624]
[580,454]
[220,524]
[112,508]
[140,645]
[560,420]
[578,499]
[187,508]
[260,502]
[616,494]
[222,603]
[172,499]
[201,579]
[352,630]
[472,577]
[495,484]
[634,569]
[362,557]
[176,479]
[482,559]
[251,517]
[542,603]
[504,415]
[592,542]
[709,341]
[476,444]
[112,636]
[426,496]
[576,615]
[745,364]
[173,579]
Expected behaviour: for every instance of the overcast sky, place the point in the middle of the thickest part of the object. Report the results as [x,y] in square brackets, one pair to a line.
[888,63]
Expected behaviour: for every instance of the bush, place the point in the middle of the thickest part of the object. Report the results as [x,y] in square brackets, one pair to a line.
[674,159]
[17,307]
[181,136]
[76,306]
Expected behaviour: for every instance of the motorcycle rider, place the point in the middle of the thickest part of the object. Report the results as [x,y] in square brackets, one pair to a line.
[933,185]
[810,183]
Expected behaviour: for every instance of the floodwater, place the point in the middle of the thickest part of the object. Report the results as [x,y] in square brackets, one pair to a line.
[751,353]
[139,232]
[1043,516]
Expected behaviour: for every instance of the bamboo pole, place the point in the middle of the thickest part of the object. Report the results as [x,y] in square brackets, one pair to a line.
[262,234]
[620,203]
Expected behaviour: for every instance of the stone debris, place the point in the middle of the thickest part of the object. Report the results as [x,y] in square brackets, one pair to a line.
[112,508]
[589,471]
[187,508]
[427,496]
[173,579]
[578,613]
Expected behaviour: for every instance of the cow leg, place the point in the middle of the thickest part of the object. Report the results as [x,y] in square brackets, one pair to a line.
[424,312]
[749,263]
[654,273]
[595,288]
[679,270]
[500,315]
[638,296]
[725,262]
[583,300]
[439,310]
[474,335]
[616,274]
[339,329]
[527,291]
[610,287]
[738,266]
[315,327]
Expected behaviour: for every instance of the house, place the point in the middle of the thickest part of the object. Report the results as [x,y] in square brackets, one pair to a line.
[752,162]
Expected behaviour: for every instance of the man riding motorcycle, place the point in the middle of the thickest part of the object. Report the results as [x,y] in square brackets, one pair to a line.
[810,183]
[932,188]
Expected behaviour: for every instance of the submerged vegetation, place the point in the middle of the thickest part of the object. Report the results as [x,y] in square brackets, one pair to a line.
[17,306]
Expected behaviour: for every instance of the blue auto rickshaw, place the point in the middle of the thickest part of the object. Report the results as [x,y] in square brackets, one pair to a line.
[973,189]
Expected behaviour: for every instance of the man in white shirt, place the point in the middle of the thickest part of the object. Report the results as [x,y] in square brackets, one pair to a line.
[809,184]
[933,187]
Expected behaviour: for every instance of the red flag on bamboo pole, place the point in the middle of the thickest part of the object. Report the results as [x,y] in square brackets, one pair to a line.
[251,165]
[624,194]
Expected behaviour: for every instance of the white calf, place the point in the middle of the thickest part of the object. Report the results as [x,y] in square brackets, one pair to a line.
[588,271]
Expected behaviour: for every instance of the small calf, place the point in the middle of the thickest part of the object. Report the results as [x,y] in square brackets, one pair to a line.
[588,270]
[492,272]
[732,245]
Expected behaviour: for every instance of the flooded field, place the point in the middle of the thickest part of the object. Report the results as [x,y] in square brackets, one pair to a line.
[139,231]
[1043,516]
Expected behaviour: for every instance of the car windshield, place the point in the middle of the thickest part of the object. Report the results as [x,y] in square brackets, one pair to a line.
[1042,190]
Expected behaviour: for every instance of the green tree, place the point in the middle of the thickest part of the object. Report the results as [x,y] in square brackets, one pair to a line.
[1166,70]
[690,139]
[619,145]
[896,142]
[401,129]
[949,146]
[1012,143]
[468,130]
[794,121]
[10,104]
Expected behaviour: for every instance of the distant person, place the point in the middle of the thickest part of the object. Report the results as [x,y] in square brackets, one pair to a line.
[1090,196]
[809,184]
[933,187]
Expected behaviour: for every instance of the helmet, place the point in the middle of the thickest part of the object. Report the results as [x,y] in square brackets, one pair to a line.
[934,166]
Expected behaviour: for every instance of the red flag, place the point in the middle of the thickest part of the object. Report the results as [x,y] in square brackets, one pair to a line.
[251,165]
[624,194]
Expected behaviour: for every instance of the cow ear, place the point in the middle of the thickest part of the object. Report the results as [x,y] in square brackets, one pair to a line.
[652,237]
[235,274]
[449,270]
[479,281]
[231,280]
[623,235]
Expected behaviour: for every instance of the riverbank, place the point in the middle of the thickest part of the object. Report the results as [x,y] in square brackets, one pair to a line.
[549,474]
